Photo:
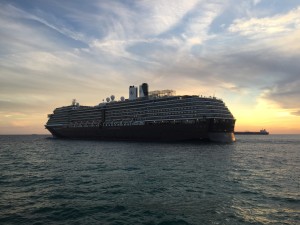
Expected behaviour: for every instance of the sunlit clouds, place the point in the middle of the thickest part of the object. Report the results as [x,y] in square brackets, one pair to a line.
[268,26]
[245,52]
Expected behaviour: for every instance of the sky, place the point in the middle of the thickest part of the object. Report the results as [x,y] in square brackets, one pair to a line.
[246,52]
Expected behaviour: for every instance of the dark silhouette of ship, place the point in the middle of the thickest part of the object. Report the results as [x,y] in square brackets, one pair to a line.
[261,132]
[157,115]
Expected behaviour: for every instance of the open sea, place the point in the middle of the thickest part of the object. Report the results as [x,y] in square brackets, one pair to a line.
[255,180]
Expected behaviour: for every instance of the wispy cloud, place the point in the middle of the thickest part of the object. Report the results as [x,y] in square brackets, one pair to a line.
[268,26]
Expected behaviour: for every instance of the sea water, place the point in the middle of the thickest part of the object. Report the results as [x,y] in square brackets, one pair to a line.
[51,181]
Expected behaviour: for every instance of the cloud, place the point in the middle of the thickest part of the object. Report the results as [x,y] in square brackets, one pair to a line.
[22,32]
[196,30]
[12,106]
[268,57]
[268,26]
[297,113]
[160,16]
[155,20]
[286,93]
[255,2]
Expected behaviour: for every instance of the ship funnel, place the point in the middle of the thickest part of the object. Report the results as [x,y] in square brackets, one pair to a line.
[143,90]
[132,92]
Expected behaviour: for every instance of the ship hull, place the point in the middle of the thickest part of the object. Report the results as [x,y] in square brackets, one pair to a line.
[161,132]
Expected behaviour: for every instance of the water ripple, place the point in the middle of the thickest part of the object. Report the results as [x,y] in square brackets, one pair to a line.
[48,181]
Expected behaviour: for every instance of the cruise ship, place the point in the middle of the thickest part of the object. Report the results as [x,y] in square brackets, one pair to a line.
[146,116]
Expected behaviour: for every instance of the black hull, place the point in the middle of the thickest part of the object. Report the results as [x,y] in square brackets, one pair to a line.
[161,132]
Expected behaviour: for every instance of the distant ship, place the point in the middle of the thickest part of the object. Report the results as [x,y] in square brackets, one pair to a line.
[157,115]
[261,132]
